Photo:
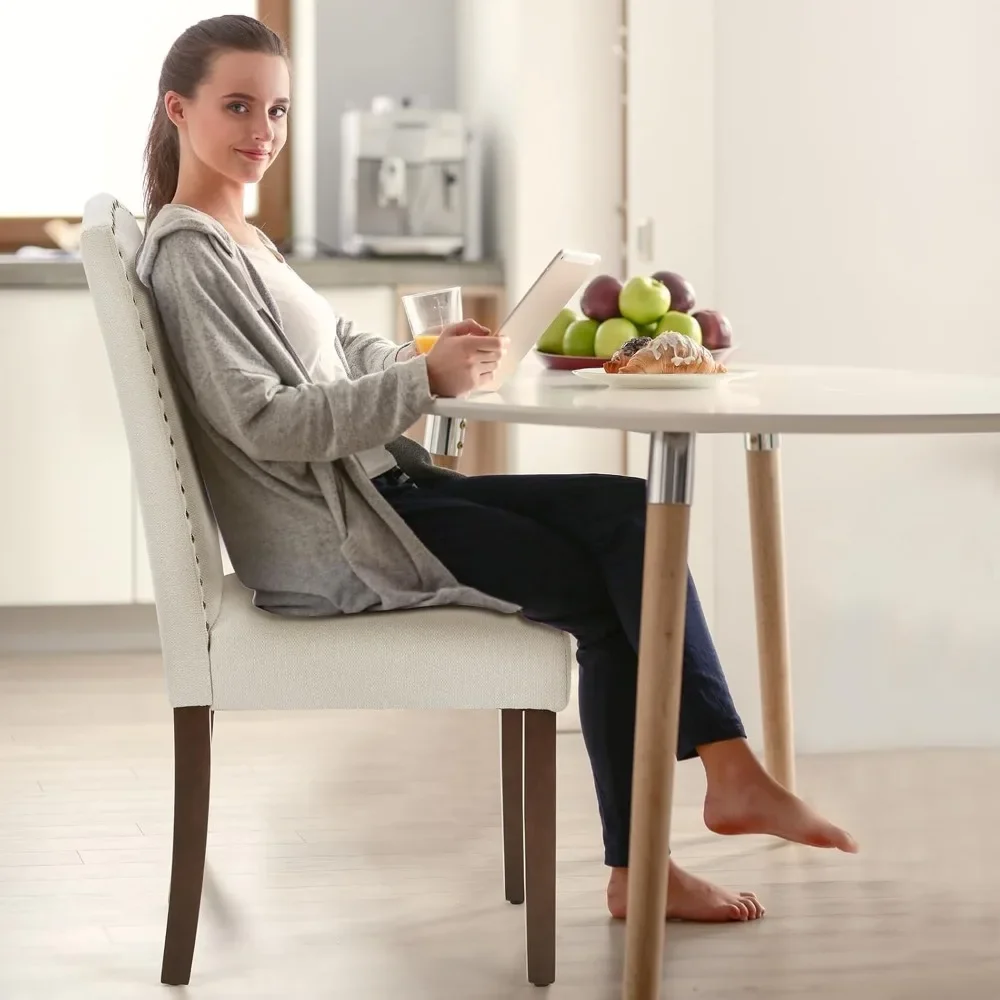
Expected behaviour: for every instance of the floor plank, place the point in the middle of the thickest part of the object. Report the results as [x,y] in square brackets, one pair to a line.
[358,855]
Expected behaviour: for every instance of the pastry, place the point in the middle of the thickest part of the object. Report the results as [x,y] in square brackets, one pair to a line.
[622,355]
[668,354]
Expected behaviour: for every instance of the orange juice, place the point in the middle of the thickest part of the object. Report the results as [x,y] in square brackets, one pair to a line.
[425,341]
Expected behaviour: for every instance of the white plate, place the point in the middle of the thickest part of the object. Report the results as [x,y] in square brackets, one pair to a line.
[677,381]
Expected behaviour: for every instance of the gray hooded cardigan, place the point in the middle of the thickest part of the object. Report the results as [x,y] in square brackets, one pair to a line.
[304,527]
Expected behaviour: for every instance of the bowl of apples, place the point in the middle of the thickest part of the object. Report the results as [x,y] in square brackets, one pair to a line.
[614,313]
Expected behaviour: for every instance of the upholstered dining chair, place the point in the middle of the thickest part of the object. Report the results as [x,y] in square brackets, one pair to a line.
[220,653]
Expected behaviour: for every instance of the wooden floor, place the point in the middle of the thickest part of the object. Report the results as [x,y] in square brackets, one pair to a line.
[358,856]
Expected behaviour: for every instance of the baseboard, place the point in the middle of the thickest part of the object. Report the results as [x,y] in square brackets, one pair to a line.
[72,629]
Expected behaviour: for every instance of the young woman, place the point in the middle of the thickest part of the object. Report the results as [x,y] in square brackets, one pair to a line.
[297,421]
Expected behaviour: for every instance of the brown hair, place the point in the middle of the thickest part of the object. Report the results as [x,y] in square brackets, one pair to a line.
[187,65]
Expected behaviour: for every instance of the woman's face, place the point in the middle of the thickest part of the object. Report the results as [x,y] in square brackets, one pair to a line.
[235,124]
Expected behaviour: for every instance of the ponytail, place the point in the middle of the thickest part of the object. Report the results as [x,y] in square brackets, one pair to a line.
[162,162]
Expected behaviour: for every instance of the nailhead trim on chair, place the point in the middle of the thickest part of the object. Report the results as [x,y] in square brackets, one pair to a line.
[116,205]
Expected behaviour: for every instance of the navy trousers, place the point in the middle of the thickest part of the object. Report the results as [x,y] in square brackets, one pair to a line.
[568,549]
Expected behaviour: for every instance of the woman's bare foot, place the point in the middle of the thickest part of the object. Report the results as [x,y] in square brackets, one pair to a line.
[743,798]
[688,898]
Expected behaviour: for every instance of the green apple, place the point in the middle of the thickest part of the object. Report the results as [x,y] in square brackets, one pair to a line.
[678,322]
[611,334]
[551,341]
[578,340]
[643,300]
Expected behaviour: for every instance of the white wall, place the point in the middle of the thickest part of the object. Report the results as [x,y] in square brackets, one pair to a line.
[542,79]
[858,156]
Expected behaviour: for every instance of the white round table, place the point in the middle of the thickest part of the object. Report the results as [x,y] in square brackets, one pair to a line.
[775,400]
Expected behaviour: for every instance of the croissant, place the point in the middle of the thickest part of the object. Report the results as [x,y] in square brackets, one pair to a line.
[667,354]
[621,357]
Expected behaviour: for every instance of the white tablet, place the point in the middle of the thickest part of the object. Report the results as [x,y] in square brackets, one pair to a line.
[549,293]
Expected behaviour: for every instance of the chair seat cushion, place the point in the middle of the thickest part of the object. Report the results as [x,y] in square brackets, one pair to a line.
[444,657]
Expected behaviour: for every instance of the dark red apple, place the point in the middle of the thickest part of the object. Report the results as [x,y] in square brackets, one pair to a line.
[600,298]
[716,332]
[681,290]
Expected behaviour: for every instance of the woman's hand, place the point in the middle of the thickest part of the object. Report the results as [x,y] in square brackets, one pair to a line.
[463,356]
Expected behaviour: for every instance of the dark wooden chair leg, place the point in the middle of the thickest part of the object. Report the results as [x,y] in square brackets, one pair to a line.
[540,844]
[512,801]
[192,774]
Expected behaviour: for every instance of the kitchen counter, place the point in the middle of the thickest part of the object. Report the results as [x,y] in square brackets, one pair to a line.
[322,272]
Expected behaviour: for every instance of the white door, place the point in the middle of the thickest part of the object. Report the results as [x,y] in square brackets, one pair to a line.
[65,524]
[670,191]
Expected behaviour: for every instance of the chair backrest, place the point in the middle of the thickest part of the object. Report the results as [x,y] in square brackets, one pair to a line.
[181,534]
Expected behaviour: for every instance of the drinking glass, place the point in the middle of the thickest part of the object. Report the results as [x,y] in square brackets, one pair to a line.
[429,312]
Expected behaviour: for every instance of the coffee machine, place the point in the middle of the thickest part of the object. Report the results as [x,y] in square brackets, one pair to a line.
[411,183]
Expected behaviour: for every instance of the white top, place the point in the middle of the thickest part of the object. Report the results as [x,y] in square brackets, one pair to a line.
[310,324]
[777,399]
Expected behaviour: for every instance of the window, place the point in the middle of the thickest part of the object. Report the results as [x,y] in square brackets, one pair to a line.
[83,78]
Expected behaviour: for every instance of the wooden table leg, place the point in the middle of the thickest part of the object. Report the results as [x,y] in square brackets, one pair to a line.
[661,641]
[767,544]
[443,438]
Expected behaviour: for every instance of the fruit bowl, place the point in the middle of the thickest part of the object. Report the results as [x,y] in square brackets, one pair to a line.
[616,313]
[569,362]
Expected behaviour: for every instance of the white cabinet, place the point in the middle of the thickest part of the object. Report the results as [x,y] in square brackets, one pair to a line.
[70,527]
[65,535]
[372,310]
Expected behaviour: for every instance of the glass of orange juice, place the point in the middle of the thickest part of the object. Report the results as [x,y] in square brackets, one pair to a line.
[428,313]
